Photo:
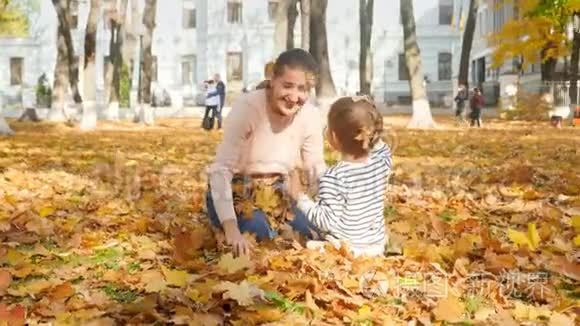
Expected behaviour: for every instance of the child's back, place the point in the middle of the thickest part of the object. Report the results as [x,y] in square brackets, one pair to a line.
[354,198]
[351,196]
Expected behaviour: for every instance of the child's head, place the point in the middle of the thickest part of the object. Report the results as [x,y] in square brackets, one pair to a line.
[354,125]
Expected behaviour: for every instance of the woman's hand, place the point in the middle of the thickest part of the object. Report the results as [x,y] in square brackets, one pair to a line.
[234,238]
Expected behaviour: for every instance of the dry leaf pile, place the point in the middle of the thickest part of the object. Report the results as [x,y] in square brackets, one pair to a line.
[109,228]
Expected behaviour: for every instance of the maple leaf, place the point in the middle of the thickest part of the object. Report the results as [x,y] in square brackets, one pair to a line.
[14,316]
[449,309]
[267,199]
[62,291]
[230,265]
[243,293]
[176,277]
[531,239]
[5,280]
[153,281]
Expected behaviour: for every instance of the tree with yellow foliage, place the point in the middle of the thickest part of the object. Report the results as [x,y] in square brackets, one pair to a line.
[13,22]
[538,35]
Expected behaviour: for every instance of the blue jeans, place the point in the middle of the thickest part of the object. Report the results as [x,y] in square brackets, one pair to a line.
[259,225]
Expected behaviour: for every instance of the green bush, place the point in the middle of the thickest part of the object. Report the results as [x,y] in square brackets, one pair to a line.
[43,92]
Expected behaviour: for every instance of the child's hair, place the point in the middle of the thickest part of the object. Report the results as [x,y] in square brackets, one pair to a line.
[357,124]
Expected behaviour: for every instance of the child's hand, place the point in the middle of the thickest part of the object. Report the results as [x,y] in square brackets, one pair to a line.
[295,187]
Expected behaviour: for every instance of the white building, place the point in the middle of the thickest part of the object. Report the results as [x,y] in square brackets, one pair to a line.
[492,15]
[194,39]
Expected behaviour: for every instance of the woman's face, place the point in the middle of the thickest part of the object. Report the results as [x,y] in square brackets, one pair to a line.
[289,91]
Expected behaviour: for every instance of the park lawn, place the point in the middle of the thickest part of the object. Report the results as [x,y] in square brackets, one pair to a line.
[108,227]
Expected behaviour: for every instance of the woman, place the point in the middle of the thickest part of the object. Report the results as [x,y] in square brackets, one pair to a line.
[212,104]
[476,103]
[268,133]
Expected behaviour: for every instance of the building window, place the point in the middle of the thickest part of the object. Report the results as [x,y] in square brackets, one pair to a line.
[16,71]
[234,12]
[188,69]
[74,14]
[445,12]
[272,9]
[445,66]
[189,15]
[405,100]
[234,66]
[403,72]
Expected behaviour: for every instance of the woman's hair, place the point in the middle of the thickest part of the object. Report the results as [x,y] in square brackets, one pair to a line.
[357,124]
[295,58]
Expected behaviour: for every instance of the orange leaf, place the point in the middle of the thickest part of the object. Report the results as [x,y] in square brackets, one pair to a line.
[62,291]
[565,267]
[5,280]
[13,317]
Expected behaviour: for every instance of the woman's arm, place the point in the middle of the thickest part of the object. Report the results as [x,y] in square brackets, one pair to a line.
[237,127]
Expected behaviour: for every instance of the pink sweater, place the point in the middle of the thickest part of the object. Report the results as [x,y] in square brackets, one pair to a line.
[258,141]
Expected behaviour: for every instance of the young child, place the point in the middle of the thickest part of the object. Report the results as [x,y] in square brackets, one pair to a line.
[351,194]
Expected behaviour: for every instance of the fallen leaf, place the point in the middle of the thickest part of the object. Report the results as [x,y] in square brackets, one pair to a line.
[153,281]
[440,226]
[230,265]
[62,291]
[562,265]
[530,239]
[176,277]
[14,316]
[449,309]
[558,319]
[5,280]
[46,211]
[244,293]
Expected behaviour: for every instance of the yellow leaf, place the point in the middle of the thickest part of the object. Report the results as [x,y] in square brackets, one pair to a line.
[46,211]
[576,222]
[364,311]
[13,257]
[531,239]
[533,235]
[267,199]
[176,277]
[244,293]
[153,281]
[577,240]
[231,265]
[449,309]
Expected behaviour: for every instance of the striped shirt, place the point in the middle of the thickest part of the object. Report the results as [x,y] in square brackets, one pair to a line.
[351,198]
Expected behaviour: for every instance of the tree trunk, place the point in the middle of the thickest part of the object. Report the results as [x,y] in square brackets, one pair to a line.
[422,117]
[319,49]
[146,113]
[305,24]
[62,8]
[5,129]
[281,27]
[365,28]
[117,60]
[574,61]
[468,33]
[548,66]
[89,117]
[292,16]
[61,83]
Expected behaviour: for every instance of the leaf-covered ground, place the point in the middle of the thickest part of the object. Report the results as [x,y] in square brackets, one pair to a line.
[108,228]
